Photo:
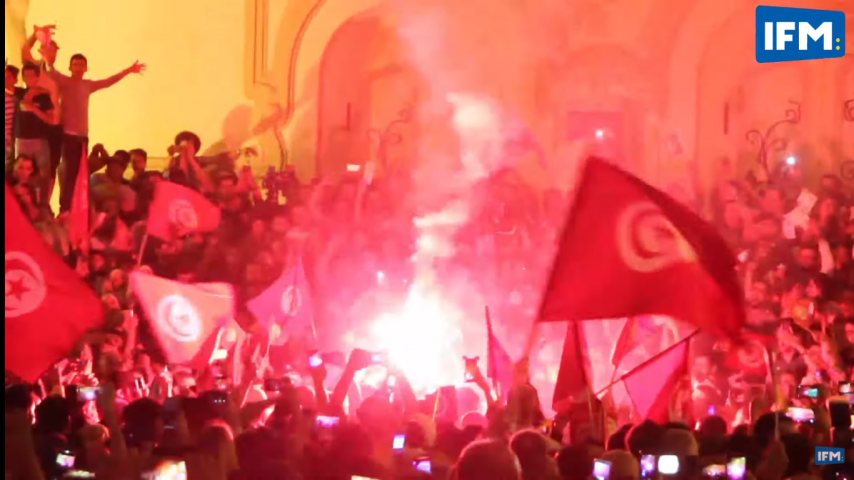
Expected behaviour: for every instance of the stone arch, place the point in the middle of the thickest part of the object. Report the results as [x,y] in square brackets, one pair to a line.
[697,31]
[301,70]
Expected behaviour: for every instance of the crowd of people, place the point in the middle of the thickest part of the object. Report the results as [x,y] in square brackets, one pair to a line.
[116,408]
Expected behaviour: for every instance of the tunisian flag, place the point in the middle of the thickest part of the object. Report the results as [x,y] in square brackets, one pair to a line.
[48,307]
[177,211]
[628,249]
[286,308]
[184,318]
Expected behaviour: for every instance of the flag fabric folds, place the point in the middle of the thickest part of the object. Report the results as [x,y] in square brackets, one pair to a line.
[177,211]
[627,342]
[500,367]
[652,385]
[48,307]
[628,249]
[184,318]
[286,307]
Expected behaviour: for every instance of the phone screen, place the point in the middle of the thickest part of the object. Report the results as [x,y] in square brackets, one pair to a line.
[648,466]
[328,422]
[668,464]
[715,471]
[808,391]
[399,443]
[88,394]
[736,469]
[845,388]
[800,415]
[354,168]
[168,470]
[601,469]
[424,466]
[65,460]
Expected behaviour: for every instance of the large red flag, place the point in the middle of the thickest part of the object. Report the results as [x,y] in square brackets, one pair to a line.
[184,317]
[48,307]
[177,211]
[628,249]
[78,220]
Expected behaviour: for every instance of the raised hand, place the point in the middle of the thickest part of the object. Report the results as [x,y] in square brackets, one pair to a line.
[137,68]
[44,30]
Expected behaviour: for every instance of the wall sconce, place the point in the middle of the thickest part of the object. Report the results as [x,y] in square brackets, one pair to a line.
[848,110]
[764,140]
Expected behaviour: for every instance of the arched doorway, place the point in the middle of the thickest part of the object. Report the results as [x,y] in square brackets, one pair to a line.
[737,96]
[367,97]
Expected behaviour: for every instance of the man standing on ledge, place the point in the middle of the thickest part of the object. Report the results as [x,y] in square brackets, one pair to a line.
[74,94]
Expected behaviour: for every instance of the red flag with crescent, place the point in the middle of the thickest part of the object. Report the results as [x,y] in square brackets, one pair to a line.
[177,211]
[628,249]
[48,306]
[184,317]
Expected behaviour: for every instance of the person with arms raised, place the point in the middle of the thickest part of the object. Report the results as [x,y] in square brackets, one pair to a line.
[74,94]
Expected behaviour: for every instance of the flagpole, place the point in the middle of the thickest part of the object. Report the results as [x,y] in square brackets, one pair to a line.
[651,359]
[142,250]
[490,358]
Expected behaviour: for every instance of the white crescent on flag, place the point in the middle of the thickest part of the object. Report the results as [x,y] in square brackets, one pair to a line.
[25,285]
[183,215]
[648,242]
[177,318]
[291,301]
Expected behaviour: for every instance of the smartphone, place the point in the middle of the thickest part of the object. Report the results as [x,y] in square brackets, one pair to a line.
[668,465]
[65,460]
[601,469]
[801,415]
[168,470]
[648,466]
[328,422]
[139,383]
[392,381]
[736,469]
[315,361]
[399,443]
[845,388]
[808,391]
[277,384]
[424,465]
[354,168]
[219,398]
[88,394]
[715,471]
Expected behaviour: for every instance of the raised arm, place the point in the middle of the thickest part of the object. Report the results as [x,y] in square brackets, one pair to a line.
[136,68]
[27,49]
